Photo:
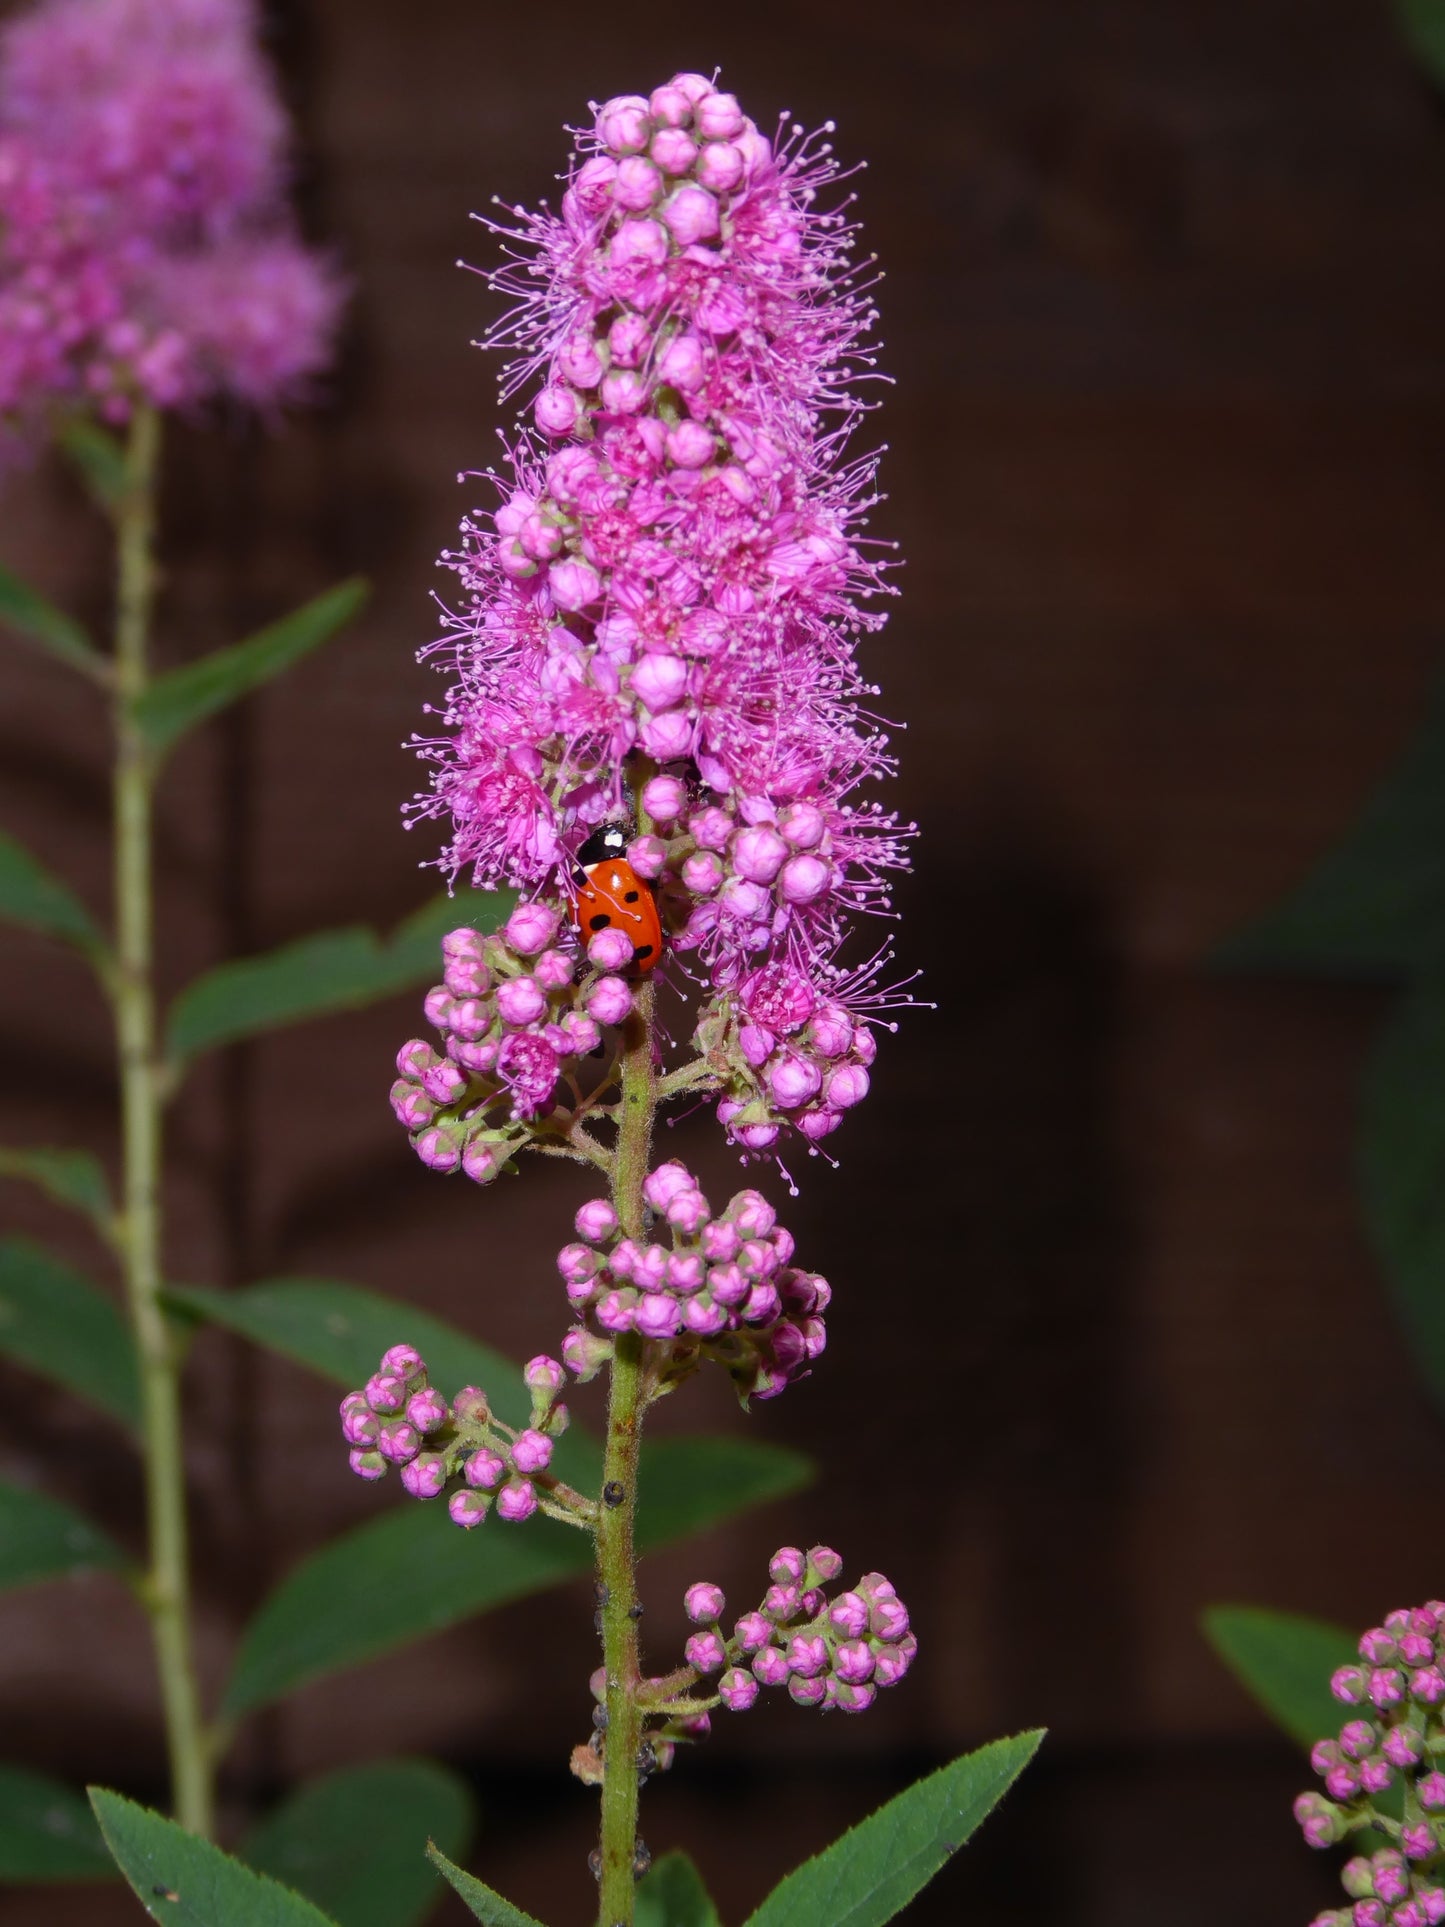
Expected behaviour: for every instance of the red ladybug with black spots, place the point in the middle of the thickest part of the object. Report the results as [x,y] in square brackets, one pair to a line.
[610,894]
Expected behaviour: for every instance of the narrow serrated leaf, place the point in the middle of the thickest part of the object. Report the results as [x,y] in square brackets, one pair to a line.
[56,1322]
[179,700]
[40,1538]
[411,1572]
[870,1874]
[100,459]
[488,1907]
[1423,24]
[317,976]
[1402,1171]
[26,611]
[36,900]
[355,1842]
[1373,908]
[75,1178]
[47,1832]
[1285,1660]
[673,1895]
[186,1881]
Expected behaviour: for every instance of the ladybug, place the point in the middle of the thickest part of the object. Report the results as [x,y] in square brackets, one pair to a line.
[611,893]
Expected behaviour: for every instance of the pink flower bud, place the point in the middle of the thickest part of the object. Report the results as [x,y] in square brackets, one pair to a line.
[848,1615]
[630,339]
[624,391]
[543,1376]
[468,1509]
[484,1470]
[532,1451]
[660,681]
[702,873]
[667,1182]
[793,1080]
[614,1311]
[385,1392]
[367,1464]
[753,1632]
[720,168]
[1431,1792]
[480,1161]
[438,1009]
[824,1565]
[438,1151]
[853,1662]
[711,828]
[398,1441]
[516,1501]
[704,1603]
[706,1652]
[624,124]
[769,1666]
[664,799]
[688,1213]
[690,445]
[444,1083]
[556,410]
[531,927]
[669,736]
[673,149]
[427,1410]
[1387,1686]
[596,1221]
[890,1663]
[470,1406]
[425,1476]
[683,364]
[553,970]
[648,856]
[737,1690]
[718,117]
[686,1272]
[1378,1647]
[359,1426]
[657,1316]
[521,1001]
[804,878]
[807,1691]
[639,184]
[610,949]
[609,1001]
[415,1058]
[807,1655]
[690,215]
[584,1354]
[403,1361]
[1427,1686]
[1404,1747]
[759,853]
[846,1086]
[575,585]
[593,185]
[671,106]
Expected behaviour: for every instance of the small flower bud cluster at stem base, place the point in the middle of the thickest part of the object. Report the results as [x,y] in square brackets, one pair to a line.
[723,1288]
[398,1418]
[1387,1761]
[517,1012]
[829,1652]
[674,583]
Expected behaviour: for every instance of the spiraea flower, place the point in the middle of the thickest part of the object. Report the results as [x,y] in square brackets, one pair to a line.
[1382,1776]
[146,249]
[658,620]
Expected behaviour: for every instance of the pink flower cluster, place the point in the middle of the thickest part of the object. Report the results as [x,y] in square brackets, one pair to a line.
[1395,1740]
[146,250]
[516,1015]
[722,1288]
[834,1653]
[400,1419]
[677,576]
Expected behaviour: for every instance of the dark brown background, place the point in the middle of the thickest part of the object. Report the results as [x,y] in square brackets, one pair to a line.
[1163,303]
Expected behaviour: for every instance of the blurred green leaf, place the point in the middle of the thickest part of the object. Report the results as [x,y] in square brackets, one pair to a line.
[673,1895]
[489,1907]
[27,612]
[1423,24]
[316,976]
[69,1177]
[355,1841]
[36,900]
[47,1832]
[177,701]
[411,1572]
[42,1539]
[341,1332]
[56,1322]
[1285,1661]
[99,457]
[181,1879]
[1402,1171]
[871,1873]
[1374,907]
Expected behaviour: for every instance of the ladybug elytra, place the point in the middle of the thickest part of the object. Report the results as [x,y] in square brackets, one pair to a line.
[610,894]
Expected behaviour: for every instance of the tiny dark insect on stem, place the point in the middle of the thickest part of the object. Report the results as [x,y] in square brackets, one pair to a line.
[164,1893]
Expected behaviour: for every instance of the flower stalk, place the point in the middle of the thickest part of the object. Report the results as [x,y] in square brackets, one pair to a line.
[165,1593]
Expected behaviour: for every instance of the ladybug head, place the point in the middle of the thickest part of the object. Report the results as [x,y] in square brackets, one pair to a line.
[611,840]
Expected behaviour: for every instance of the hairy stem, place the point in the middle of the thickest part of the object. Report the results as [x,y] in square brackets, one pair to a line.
[166,1590]
[616,1561]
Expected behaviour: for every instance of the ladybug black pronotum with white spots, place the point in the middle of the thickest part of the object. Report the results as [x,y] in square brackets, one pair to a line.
[610,894]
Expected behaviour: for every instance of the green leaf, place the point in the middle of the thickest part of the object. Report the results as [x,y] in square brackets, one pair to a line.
[673,1895]
[38,901]
[315,976]
[355,1842]
[69,1177]
[872,1873]
[56,1322]
[341,1332]
[411,1572]
[27,612]
[42,1539]
[1402,1171]
[489,1907]
[47,1832]
[176,702]
[100,459]
[187,1881]
[1374,907]
[1285,1661]
[1423,24]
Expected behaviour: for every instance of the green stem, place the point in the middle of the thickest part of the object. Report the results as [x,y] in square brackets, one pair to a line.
[166,1589]
[616,1559]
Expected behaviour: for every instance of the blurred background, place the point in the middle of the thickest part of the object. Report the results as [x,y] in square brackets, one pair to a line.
[1163,306]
